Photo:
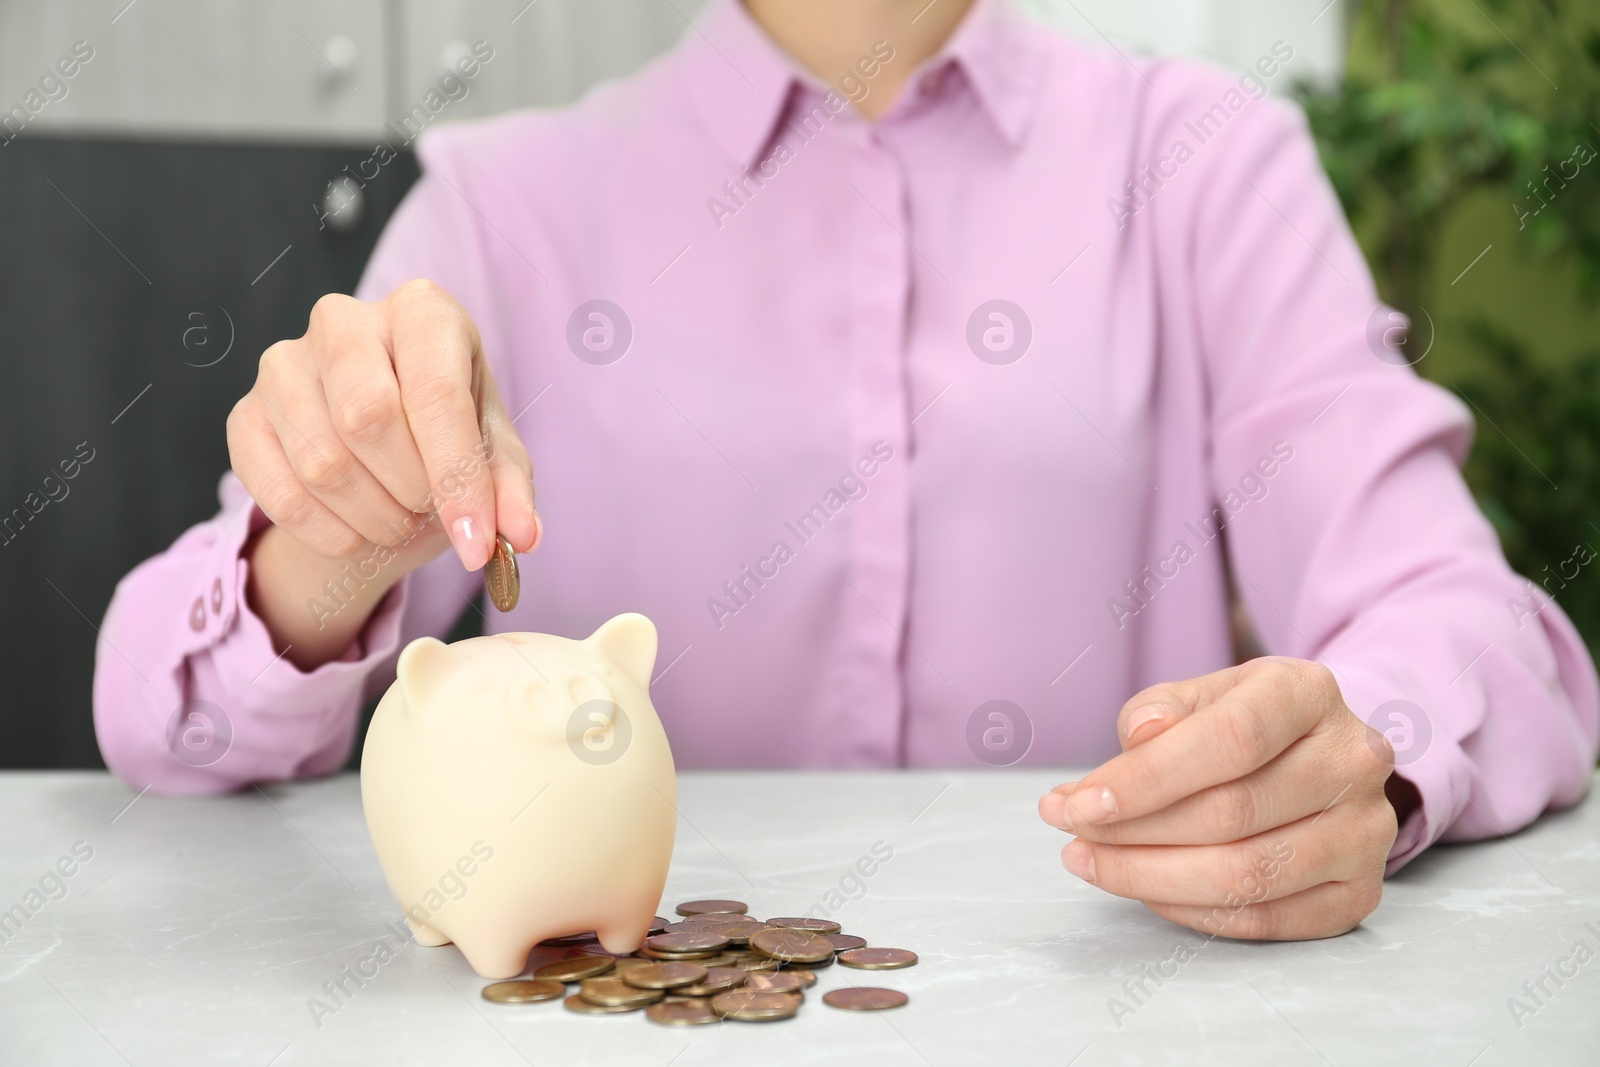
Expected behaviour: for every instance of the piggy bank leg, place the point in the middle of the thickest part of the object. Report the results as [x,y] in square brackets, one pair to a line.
[626,934]
[497,958]
[426,935]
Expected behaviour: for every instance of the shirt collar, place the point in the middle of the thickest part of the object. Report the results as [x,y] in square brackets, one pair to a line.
[740,81]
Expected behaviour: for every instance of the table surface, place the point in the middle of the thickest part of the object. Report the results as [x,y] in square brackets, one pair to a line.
[202,930]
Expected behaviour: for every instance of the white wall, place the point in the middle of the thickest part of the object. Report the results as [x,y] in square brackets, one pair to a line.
[1233,33]
[340,69]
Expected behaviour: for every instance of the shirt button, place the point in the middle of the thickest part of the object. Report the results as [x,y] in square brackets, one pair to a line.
[197,615]
[216,596]
[931,83]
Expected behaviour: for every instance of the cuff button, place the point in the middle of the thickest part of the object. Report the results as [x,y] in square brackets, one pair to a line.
[197,615]
[216,596]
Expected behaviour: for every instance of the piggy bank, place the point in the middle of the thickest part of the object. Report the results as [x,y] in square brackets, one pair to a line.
[519,787]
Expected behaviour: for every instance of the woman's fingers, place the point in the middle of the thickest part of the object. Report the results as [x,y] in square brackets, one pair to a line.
[1279,863]
[318,454]
[437,360]
[362,396]
[263,468]
[511,470]
[1238,720]
[1303,780]
[1325,910]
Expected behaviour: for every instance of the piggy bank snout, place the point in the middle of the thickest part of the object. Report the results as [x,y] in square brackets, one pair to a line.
[582,712]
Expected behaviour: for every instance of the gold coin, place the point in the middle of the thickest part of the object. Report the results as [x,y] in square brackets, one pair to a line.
[755,1007]
[522,992]
[703,907]
[665,975]
[717,980]
[864,998]
[721,959]
[500,575]
[648,953]
[797,946]
[628,963]
[587,938]
[594,949]
[878,959]
[737,931]
[578,1004]
[576,969]
[816,926]
[806,976]
[687,941]
[756,964]
[613,992]
[682,1013]
[776,982]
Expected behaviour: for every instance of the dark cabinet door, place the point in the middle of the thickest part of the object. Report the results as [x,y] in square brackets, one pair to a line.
[139,284]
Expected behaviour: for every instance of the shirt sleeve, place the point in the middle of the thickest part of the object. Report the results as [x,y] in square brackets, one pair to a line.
[1372,558]
[190,695]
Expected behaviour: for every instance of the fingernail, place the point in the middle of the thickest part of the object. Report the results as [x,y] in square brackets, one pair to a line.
[538,530]
[1143,717]
[1078,858]
[1094,804]
[1053,810]
[469,543]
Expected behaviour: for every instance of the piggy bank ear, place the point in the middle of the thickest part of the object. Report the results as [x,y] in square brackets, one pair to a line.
[424,671]
[628,642]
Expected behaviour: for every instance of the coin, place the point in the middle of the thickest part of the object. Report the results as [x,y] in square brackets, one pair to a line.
[658,924]
[588,938]
[798,946]
[704,907]
[864,998]
[576,969]
[846,942]
[878,959]
[816,926]
[778,982]
[628,963]
[682,1013]
[648,953]
[756,964]
[721,959]
[753,1007]
[803,974]
[717,980]
[738,932]
[594,949]
[719,917]
[522,992]
[500,575]
[686,941]
[665,975]
[613,992]
[578,1004]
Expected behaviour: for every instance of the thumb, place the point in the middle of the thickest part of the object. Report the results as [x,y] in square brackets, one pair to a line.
[511,471]
[1153,711]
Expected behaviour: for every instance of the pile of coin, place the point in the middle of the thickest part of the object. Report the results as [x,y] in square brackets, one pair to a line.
[717,963]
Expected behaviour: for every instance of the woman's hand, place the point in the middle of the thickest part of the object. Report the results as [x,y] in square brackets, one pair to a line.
[1248,803]
[374,442]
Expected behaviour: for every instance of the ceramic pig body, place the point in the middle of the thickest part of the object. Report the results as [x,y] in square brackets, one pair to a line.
[519,787]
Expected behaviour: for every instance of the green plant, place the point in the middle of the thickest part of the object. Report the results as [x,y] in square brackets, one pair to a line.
[1444,101]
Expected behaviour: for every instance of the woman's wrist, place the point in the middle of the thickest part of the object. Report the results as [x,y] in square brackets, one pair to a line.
[315,607]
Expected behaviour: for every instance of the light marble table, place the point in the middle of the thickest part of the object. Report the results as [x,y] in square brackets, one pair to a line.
[203,931]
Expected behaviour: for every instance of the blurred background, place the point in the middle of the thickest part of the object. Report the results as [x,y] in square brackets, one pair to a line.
[181,180]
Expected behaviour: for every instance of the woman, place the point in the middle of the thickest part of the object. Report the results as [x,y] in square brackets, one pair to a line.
[928,378]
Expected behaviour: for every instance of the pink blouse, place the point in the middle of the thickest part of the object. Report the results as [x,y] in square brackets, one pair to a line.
[896,427]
